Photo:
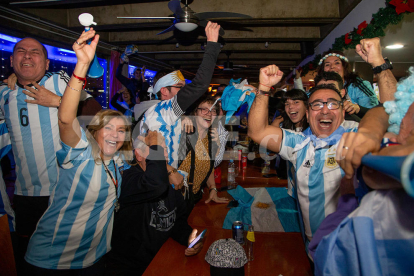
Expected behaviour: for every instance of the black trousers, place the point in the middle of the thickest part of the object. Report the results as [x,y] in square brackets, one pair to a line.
[28,210]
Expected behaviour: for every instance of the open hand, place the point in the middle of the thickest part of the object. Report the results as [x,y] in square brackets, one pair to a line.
[214,197]
[41,96]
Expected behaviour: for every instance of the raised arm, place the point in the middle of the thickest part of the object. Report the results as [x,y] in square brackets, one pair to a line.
[121,78]
[258,127]
[114,101]
[370,51]
[69,128]
[191,92]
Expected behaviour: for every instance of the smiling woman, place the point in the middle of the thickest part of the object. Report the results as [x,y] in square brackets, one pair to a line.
[198,151]
[75,231]
[360,91]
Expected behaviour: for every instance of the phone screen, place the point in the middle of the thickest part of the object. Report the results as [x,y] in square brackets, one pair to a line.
[197,239]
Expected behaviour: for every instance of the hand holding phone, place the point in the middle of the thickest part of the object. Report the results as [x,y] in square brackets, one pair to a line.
[198,239]
[196,243]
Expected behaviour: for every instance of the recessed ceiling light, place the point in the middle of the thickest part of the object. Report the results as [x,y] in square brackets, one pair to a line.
[395,46]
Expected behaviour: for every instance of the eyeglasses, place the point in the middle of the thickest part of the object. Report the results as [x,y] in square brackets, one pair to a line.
[332,105]
[205,111]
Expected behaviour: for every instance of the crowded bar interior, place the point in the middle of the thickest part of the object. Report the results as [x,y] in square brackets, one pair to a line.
[190,137]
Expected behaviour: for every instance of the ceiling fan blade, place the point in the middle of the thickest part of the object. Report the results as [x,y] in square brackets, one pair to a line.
[149,17]
[213,15]
[175,7]
[169,29]
[203,23]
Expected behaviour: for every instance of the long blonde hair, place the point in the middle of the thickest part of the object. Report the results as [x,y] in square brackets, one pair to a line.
[100,120]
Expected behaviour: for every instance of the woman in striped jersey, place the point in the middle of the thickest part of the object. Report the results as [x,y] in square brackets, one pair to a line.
[75,231]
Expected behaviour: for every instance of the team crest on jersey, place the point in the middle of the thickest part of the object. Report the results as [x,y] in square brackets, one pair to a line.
[330,161]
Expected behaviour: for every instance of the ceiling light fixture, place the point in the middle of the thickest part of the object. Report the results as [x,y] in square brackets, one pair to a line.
[186,26]
[395,46]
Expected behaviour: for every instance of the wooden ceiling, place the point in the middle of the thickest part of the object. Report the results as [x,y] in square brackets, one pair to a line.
[279,31]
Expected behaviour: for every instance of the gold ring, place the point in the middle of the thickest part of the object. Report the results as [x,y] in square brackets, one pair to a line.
[77,42]
[345,148]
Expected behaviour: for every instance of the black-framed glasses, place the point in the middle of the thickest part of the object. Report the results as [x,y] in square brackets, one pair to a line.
[332,105]
[205,111]
[176,86]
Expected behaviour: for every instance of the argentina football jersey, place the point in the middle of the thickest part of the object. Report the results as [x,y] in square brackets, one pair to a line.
[318,175]
[76,229]
[164,117]
[34,136]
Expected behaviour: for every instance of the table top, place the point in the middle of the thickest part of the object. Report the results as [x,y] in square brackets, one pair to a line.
[275,253]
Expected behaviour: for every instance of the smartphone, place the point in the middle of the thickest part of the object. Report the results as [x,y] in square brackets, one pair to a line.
[232,204]
[198,239]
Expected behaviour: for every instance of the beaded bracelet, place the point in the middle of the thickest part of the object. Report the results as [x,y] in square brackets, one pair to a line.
[73,88]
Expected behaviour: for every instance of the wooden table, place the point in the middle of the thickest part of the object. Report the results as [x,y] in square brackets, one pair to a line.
[275,253]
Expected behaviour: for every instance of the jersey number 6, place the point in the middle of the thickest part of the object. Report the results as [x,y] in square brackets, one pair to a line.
[24,119]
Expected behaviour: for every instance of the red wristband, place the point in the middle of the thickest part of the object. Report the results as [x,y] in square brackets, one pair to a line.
[82,79]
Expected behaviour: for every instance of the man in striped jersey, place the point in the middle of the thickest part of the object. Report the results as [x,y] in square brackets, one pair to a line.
[312,152]
[176,97]
[30,112]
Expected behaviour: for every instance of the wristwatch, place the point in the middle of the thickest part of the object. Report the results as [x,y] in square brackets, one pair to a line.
[215,189]
[382,67]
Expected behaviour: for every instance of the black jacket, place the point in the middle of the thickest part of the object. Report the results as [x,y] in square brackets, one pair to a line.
[132,84]
[151,212]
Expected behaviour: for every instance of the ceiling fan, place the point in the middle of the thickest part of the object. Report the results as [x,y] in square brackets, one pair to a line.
[186,20]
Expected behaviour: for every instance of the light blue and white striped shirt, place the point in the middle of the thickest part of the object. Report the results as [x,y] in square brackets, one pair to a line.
[375,239]
[34,134]
[76,229]
[318,175]
[5,206]
[164,117]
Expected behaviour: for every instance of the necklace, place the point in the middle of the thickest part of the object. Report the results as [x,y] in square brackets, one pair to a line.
[115,181]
